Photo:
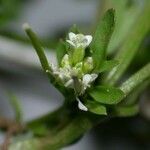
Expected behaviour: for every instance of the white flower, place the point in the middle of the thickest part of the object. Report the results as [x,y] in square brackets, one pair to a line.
[87,80]
[79,40]
[81,105]
[63,73]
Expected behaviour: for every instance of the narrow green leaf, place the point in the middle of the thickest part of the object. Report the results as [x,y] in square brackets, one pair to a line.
[96,107]
[127,12]
[40,52]
[16,106]
[74,29]
[102,36]
[107,65]
[106,95]
[60,50]
[131,45]
[126,111]
[38,47]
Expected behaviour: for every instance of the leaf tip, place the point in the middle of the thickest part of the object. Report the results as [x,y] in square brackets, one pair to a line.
[26,26]
[111,10]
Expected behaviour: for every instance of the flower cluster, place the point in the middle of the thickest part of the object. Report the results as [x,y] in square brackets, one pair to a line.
[75,70]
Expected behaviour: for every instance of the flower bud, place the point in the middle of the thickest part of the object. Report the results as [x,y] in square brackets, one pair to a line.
[77,70]
[65,61]
[88,65]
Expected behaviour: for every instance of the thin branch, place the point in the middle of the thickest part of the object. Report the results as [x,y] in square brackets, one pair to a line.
[11,127]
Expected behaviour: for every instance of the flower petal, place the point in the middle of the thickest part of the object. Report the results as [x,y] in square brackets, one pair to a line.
[86,79]
[69,83]
[81,105]
[89,39]
[93,77]
[71,43]
[72,36]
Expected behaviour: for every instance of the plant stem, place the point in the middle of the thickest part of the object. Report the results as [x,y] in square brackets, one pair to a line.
[130,46]
[78,124]
[136,79]
[74,130]
[133,97]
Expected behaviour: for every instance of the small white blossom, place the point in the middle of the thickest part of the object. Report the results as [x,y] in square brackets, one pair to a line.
[81,105]
[79,40]
[87,80]
[63,73]
[75,67]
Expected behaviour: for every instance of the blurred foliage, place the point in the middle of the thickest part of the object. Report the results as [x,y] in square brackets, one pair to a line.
[8,10]
[127,13]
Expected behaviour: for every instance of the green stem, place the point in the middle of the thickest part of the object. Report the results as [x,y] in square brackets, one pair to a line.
[133,97]
[130,46]
[74,130]
[48,117]
[136,79]
[77,124]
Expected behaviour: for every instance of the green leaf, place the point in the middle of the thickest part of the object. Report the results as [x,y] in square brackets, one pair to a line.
[126,111]
[16,106]
[74,29]
[9,9]
[107,65]
[106,95]
[38,47]
[102,36]
[96,108]
[40,52]
[127,12]
[130,46]
[60,50]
